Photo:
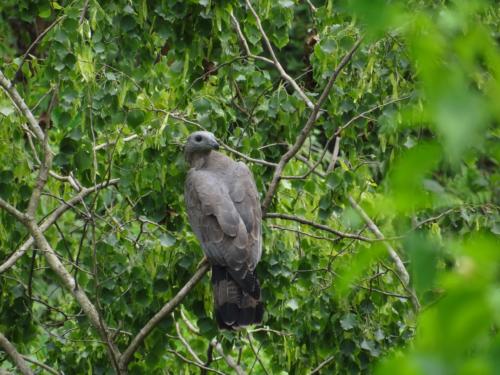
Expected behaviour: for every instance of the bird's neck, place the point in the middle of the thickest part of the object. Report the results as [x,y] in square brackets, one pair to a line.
[198,160]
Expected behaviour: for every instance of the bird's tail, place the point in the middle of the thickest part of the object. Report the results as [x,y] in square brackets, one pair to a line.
[237,304]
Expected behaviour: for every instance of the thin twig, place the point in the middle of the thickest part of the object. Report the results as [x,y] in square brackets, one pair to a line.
[276,62]
[35,42]
[84,10]
[322,364]
[335,155]
[185,343]
[42,365]
[248,158]
[400,267]
[279,227]
[274,215]
[50,220]
[389,294]
[202,366]
[229,360]
[255,352]
[21,106]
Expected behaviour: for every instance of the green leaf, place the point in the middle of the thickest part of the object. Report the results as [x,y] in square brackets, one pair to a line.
[348,322]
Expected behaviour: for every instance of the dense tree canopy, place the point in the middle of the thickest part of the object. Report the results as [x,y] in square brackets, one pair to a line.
[371,127]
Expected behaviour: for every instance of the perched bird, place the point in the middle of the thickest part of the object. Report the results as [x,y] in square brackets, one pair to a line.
[224,211]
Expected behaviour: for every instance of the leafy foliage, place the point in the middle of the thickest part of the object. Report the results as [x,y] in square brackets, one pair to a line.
[118,85]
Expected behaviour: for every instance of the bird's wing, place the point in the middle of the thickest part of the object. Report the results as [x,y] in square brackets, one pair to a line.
[245,197]
[216,221]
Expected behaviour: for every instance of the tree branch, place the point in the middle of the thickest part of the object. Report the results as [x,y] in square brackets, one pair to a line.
[14,354]
[42,365]
[51,219]
[325,228]
[12,210]
[337,138]
[194,363]
[41,179]
[69,282]
[35,42]
[400,267]
[305,130]
[21,105]
[160,315]
[248,158]
[256,352]
[275,61]
[335,155]
[185,343]
[322,364]
[229,360]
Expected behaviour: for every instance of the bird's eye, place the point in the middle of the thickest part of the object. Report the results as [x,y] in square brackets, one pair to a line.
[197,138]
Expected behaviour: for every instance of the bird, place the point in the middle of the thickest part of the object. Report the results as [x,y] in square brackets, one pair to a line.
[223,208]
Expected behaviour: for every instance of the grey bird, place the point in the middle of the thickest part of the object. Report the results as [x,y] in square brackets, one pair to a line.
[224,211]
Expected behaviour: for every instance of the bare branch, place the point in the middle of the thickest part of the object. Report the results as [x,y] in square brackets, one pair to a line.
[194,363]
[302,233]
[188,323]
[248,158]
[389,294]
[241,36]
[276,62]
[185,343]
[256,352]
[363,114]
[41,180]
[269,330]
[311,6]
[336,136]
[18,359]
[70,179]
[229,360]
[160,315]
[312,168]
[400,267]
[321,365]
[335,155]
[325,228]
[51,219]
[305,130]
[42,365]
[84,10]
[68,281]
[12,210]
[21,105]
[112,143]
[35,42]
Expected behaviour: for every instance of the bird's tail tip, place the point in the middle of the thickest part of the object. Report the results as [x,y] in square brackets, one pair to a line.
[235,307]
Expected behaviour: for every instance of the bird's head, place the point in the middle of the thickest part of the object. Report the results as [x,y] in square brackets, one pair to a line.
[201,142]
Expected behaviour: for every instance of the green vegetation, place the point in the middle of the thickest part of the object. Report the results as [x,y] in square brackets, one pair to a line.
[381,249]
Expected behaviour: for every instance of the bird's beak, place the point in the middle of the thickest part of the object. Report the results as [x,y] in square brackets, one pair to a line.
[214,144]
